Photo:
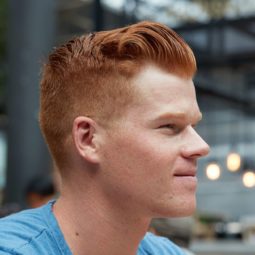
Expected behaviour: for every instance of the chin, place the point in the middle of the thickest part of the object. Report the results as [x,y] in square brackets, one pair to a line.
[185,213]
[177,210]
[177,214]
[186,210]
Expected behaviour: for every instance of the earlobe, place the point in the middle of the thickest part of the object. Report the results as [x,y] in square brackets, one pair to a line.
[84,136]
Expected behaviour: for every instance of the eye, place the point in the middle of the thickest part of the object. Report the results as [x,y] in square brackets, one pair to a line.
[171,127]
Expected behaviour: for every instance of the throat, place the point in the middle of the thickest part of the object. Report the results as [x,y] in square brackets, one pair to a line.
[93,230]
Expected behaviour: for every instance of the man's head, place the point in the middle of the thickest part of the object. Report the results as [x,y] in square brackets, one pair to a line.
[92,75]
[149,157]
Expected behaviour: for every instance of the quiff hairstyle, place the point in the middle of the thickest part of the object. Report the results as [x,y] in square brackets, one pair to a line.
[91,76]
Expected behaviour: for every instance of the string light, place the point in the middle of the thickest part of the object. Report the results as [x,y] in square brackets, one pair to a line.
[213,171]
[249,179]
[233,161]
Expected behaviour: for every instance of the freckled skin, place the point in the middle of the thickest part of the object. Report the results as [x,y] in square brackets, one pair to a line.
[143,153]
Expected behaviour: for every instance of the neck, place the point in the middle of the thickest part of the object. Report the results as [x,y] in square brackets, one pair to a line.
[93,225]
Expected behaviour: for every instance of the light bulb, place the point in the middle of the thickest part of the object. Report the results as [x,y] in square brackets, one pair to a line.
[213,171]
[233,162]
[249,179]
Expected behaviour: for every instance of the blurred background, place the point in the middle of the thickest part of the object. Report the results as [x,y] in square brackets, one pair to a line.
[222,35]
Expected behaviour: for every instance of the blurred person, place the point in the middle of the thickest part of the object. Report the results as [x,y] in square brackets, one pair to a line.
[118,111]
[39,190]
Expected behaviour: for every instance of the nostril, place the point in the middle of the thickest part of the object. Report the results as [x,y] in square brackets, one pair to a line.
[195,156]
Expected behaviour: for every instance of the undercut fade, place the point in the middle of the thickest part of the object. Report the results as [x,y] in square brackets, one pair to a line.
[91,76]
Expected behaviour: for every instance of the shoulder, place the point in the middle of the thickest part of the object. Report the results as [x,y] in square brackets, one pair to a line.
[20,229]
[152,244]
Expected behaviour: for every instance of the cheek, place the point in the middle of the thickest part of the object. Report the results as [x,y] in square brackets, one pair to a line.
[141,161]
[145,156]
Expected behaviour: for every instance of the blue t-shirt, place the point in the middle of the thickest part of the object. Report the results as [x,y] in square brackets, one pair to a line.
[36,232]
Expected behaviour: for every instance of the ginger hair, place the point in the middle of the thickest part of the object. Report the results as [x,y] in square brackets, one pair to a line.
[91,76]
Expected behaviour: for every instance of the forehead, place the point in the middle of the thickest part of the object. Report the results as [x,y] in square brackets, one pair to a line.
[162,93]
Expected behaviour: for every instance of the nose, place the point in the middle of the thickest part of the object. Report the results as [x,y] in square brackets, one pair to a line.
[194,145]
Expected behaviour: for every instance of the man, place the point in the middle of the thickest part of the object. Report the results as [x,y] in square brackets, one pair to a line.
[118,111]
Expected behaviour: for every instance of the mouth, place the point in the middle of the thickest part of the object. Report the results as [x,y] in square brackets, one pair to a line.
[185,176]
[188,179]
[186,173]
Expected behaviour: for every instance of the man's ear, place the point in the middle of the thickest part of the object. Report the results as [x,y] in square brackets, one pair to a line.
[84,136]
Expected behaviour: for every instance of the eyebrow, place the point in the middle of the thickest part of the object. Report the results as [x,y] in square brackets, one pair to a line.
[181,116]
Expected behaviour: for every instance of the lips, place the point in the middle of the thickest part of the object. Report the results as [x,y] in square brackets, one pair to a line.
[185,173]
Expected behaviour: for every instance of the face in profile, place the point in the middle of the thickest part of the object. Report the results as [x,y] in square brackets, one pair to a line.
[149,156]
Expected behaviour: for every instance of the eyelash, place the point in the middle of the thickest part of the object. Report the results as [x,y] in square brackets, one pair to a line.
[173,127]
[168,126]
